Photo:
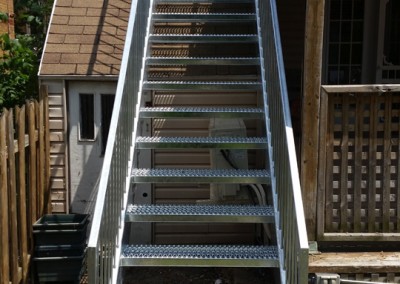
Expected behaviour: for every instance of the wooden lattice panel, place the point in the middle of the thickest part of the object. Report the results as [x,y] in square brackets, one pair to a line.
[360,166]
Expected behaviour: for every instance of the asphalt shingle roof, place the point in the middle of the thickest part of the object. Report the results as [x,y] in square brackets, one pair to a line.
[86,38]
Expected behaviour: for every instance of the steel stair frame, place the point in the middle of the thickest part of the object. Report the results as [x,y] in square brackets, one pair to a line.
[104,245]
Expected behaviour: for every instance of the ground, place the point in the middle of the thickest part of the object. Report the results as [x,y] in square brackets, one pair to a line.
[198,276]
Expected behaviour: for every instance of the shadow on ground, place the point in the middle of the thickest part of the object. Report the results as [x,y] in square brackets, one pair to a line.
[198,276]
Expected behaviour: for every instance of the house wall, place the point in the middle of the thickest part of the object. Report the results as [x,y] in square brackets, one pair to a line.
[7,6]
[195,193]
[58,146]
[291,16]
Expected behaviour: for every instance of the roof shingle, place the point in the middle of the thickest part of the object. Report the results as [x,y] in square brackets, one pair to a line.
[86,38]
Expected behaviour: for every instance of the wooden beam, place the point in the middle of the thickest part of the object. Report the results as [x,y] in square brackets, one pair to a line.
[355,262]
[310,110]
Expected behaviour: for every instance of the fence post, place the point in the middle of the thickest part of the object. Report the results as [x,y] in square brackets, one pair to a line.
[4,237]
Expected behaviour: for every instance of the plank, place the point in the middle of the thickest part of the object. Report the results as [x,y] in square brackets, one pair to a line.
[322,162]
[4,236]
[12,199]
[386,165]
[32,163]
[23,234]
[365,262]
[358,165]
[359,89]
[344,177]
[41,159]
[311,109]
[372,164]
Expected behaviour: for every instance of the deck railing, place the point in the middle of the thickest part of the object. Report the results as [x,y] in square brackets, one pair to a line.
[108,220]
[290,221]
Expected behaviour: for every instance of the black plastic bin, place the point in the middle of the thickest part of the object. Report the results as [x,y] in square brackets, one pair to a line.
[61,222]
[57,269]
[59,250]
[60,229]
[60,241]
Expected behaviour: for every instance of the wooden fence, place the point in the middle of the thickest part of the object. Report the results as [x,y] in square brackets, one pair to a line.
[24,183]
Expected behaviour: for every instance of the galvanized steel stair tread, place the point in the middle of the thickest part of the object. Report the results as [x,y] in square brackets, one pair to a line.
[203,17]
[200,255]
[206,1]
[222,142]
[199,213]
[202,60]
[199,38]
[164,175]
[201,85]
[179,112]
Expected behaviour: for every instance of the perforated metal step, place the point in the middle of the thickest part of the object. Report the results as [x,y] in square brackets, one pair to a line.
[201,142]
[201,85]
[200,213]
[205,1]
[199,255]
[195,112]
[203,38]
[203,61]
[203,17]
[200,176]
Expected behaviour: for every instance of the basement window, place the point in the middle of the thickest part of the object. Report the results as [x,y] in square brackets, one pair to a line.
[86,125]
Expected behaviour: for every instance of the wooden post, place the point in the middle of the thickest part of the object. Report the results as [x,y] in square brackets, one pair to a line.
[4,236]
[12,197]
[311,109]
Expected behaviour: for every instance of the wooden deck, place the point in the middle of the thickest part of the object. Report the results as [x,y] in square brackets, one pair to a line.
[355,262]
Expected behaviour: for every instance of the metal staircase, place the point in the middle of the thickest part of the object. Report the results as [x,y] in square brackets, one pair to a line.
[209,24]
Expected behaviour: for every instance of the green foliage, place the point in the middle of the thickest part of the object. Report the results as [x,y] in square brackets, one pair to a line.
[18,69]
[3,17]
[19,58]
[34,14]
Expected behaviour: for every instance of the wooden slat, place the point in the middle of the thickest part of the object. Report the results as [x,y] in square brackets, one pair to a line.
[32,163]
[322,156]
[344,165]
[386,166]
[398,179]
[329,178]
[12,199]
[4,234]
[23,234]
[372,164]
[358,165]
[370,262]
[41,160]
[359,89]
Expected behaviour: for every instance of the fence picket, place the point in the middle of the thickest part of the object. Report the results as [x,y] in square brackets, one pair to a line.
[22,212]
[12,197]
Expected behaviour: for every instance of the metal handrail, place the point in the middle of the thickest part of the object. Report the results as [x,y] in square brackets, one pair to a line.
[289,213]
[108,220]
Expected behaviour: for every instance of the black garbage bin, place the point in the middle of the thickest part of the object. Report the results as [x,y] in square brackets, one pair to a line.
[60,243]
